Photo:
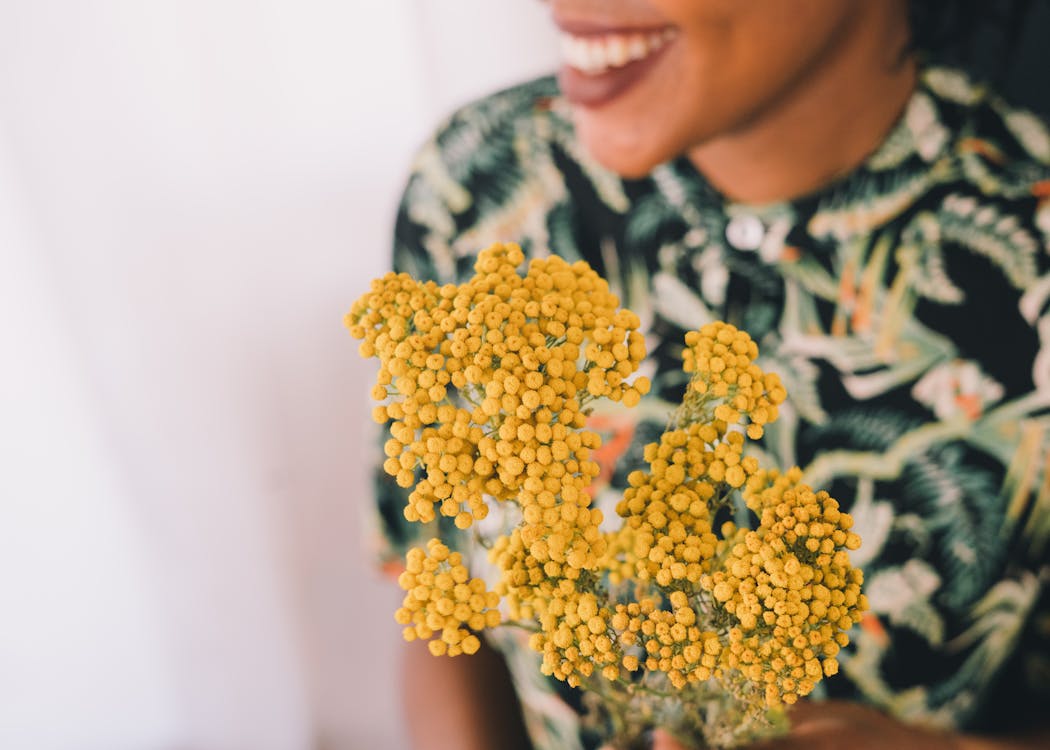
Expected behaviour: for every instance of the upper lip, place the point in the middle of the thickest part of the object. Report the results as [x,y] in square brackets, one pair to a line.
[587,27]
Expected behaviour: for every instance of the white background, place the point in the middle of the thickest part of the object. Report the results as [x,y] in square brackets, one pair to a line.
[192,192]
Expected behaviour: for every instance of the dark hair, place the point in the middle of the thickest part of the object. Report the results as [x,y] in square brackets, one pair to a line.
[971,32]
[999,41]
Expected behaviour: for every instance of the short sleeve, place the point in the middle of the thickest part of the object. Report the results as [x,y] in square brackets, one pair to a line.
[423,233]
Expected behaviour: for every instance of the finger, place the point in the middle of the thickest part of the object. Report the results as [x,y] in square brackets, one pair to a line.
[804,711]
[802,716]
[806,717]
[642,742]
[784,743]
[813,717]
[664,741]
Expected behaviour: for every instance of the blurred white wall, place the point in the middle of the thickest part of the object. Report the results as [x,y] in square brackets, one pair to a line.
[191,194]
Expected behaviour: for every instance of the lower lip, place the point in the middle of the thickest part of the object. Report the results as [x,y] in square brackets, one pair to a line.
[586,90]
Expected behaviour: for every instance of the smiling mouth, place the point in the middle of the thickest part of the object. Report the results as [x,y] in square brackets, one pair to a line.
[597,53]
[601,64]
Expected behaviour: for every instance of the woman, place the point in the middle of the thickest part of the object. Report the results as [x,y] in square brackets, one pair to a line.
[879,227]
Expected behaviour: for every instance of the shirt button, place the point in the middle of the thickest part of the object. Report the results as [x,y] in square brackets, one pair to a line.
[745,232]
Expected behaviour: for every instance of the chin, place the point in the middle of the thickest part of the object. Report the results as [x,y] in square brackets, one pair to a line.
[630,158]
[627,166]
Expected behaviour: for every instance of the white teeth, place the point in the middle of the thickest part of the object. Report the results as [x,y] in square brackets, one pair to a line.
[637,48]
[594,54]
[617,51]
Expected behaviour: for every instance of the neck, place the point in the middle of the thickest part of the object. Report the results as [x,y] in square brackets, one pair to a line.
[823,126]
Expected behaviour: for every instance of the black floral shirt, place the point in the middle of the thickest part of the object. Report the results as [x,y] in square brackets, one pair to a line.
[906,308]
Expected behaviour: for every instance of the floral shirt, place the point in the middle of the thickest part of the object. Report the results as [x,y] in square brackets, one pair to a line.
[906,308]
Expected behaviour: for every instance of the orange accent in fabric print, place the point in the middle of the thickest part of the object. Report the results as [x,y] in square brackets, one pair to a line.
[544,104]
[861,320]
[969,404]
[1041,189]
[847,300]
[982,147]
[392,568]
[871,625]
[617,432]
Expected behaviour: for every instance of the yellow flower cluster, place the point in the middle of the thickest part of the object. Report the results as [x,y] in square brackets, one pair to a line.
[788,586]
[443,600]
[671,640]
[581,636]
[526,354]
[454,477]
[784,593]
[574,638]
[668,510]
[722,360]
[487,387]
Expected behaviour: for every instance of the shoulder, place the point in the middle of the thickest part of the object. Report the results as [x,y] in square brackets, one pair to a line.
[1000,149]
[507,167]
[990,218]
[465,171]
[980,111]
[995,193]
[487,145]
[516,106]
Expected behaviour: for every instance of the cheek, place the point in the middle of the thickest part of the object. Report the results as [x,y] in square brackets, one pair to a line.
[725,67]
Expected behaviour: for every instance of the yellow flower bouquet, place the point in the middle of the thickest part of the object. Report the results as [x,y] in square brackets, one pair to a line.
[673,619]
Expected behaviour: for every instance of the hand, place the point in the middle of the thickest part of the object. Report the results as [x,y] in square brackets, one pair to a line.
[837,725]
